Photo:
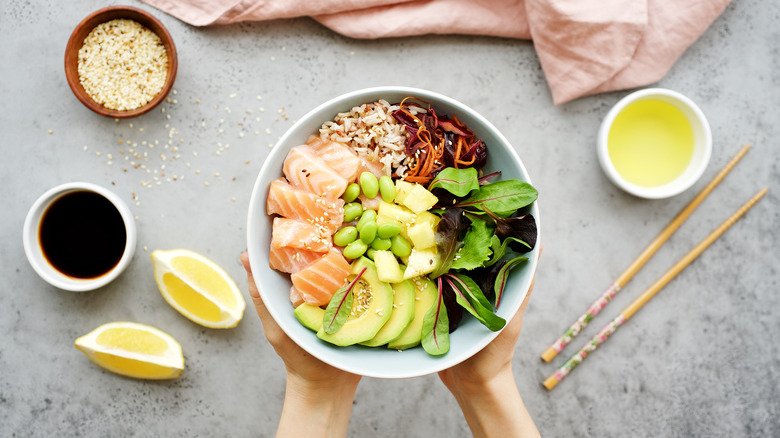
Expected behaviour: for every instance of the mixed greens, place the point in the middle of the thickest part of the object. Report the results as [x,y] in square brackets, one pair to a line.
[479,241]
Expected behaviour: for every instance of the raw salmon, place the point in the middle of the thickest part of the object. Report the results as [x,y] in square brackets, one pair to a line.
[295,297]
[296,203]
[304,169]
[319,281]
[295,233]
[372,203]
[338,156]
[291,260]
[374,167]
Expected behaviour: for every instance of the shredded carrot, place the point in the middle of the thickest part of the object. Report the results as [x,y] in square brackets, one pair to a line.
[459,152]
[429,150]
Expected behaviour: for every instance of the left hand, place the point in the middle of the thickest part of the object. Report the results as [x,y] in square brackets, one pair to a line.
[300,365]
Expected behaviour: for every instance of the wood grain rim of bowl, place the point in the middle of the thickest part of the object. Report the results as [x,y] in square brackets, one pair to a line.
[76,41]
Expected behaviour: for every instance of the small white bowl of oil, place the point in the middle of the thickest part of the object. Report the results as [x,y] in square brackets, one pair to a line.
[654,143]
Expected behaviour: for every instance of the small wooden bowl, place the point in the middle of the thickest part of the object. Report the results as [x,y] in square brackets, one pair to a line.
[83,29]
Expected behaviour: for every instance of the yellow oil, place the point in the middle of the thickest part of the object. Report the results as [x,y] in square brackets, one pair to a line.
[650,142]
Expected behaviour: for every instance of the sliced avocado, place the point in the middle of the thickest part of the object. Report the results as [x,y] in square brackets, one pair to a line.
[310,316]
[403,313]
[424,296]
[362,325]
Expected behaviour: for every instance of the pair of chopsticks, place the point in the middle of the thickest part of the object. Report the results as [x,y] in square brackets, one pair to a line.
[635,266]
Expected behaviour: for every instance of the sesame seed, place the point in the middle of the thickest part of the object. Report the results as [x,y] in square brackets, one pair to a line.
[114,53]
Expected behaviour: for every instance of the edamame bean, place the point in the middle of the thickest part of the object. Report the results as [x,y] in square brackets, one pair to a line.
[368,232]
[352,211]
[388,230]
[355,249]
[381,244]
[369,184]
[387,188]
[345,236]
[400,246]
[370,253]
[368,216]
[351,193]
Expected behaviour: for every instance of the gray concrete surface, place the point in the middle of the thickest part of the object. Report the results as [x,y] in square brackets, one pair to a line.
[700,360]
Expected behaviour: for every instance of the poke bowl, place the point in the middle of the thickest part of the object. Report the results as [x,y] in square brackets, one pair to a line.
[274,287]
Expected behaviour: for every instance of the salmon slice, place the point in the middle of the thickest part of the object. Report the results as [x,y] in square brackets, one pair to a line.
[338,156]
[291,260]
[295,233]
[372,203]
[319,281]
[374,167]
[296,203]
[295,297]
[304,169]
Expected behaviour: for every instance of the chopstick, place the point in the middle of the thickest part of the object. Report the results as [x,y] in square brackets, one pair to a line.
[639,262]
[637,304]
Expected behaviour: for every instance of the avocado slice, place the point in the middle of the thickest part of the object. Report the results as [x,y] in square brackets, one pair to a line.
[403,313]
[363,326]
[425,295]
[310,316]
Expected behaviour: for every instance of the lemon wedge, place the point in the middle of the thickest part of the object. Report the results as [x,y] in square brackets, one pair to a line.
[133,350]
[198,288]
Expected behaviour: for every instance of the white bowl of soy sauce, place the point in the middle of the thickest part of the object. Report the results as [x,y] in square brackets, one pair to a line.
[79,236]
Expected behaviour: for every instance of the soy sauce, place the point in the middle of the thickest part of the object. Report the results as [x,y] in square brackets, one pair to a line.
[82,234]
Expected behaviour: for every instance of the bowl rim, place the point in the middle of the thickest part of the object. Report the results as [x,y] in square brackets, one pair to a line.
[681,183]
[75,41]
[259,195]
[34,252]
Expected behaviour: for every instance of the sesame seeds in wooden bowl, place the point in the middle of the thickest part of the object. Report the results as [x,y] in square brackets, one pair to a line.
[120,62]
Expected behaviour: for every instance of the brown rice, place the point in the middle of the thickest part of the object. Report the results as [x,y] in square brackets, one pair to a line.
[374,133]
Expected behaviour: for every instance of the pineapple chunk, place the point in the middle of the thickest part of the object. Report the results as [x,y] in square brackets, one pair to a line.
[419,199]
[394,213]
[421,262]
[402,188]
[421,235]
[429,218]
[387,267]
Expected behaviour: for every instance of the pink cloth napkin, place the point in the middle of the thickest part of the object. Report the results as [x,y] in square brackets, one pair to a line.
[584,46]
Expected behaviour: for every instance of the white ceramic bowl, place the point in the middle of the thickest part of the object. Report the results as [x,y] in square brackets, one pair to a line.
[471,336]
[702,148]
[34,252]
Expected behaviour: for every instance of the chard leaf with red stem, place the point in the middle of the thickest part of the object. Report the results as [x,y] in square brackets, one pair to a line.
[503,275]
[502,197]
[339,307]
[436,328]
[459,182]
[471,298]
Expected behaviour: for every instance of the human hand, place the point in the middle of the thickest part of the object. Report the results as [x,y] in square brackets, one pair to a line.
[485,389]
[491,361]
[299,363]
[318,397]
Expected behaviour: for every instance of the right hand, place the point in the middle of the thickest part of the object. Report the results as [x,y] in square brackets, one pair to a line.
[492,360]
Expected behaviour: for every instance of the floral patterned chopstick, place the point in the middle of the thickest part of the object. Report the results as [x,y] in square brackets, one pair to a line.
[637,304]
[640,261]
